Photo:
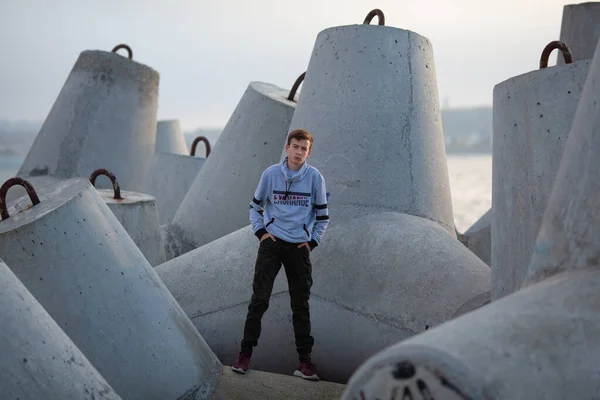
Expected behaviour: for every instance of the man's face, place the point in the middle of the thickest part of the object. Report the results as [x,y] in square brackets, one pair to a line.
[297,152]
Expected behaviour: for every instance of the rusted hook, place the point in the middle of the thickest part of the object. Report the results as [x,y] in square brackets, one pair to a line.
[296,86]
[557,44]
[123,46]
[4,190]
[376,12]
[113,179]
[195,143]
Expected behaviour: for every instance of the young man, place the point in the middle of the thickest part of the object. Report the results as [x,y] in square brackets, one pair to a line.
[289,227]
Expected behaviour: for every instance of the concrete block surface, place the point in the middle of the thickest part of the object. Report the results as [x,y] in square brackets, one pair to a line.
[74,256]
[533,114]
[370,100]
[38,360]
[103,117]
[266,386]
[217,202]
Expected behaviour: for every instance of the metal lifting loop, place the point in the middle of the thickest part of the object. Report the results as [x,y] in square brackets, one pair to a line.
[376,12]
[296,86]
[557,44]
[195,143]
[113,179]
[4,190]
[123,46]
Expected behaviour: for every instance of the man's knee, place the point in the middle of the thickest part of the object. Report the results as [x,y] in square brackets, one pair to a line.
[299,300]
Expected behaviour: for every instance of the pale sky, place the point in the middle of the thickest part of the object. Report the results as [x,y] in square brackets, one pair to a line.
[207,51]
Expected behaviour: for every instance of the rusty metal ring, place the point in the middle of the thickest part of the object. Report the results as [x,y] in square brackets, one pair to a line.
[4,190]
[557,44]
[376,12]
[113,179]
[296,86]
[195,143]
[123,46]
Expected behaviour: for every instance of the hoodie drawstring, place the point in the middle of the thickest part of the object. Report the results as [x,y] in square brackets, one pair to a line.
[287,189]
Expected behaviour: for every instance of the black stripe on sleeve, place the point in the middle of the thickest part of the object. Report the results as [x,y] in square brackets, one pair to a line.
[322,217]
[320,206]
[256,201]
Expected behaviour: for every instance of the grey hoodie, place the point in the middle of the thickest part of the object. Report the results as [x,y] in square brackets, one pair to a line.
[294,209]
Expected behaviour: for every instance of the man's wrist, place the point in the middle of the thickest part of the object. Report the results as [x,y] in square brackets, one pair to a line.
[312,244]
[260,233]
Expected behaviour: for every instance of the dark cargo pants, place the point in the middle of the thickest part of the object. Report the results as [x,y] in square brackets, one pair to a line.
[298,269]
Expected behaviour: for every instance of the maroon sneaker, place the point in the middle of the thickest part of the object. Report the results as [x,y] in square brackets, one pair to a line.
[306,370]
[241,364]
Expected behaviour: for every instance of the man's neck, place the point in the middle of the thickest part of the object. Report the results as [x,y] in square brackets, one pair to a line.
[292,167]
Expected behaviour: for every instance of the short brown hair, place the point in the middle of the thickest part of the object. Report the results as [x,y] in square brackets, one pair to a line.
[300,134]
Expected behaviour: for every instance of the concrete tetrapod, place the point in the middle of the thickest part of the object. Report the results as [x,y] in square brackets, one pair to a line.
[569,236]
[479,237]
[74,256]
[217,202]
[36,181]
[542,342]
[377,280]
[104,117]
[138,215]
[39,361]
[580,30]
[370,99]
[169,178]
[169,137]
[532,119]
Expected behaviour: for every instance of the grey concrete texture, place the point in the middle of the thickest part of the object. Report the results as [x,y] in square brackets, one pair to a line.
[377,280]
[569,236]
[103,117]
[170,138]
[217,202]
[541,342]
[37,181]
[73,255]
[533,114]
[580,30]
[370,99]
[483,222]
[168,179]
[38,360]
[267,386]
[479,237]
[138,215]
